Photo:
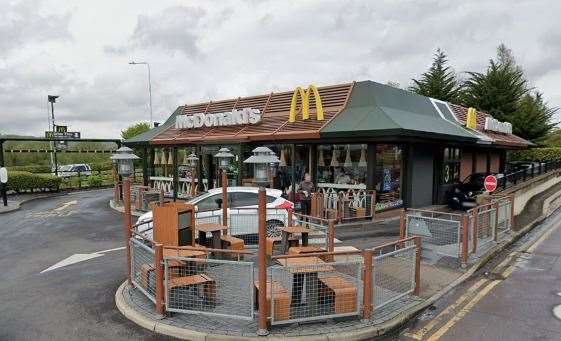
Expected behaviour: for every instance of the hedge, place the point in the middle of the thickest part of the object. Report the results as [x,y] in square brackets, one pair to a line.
[31,169]
[536,154]
[26,181]
[95,181]
[101,166]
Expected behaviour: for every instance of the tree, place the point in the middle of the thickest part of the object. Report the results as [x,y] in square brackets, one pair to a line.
[498,90]
[532,119]
[135,129]
[439,81]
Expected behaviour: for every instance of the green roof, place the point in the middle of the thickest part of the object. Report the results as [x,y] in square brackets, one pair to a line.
[145,137]
[375,109]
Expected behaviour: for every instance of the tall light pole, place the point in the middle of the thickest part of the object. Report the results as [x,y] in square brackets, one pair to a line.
[149,87]
[52,100]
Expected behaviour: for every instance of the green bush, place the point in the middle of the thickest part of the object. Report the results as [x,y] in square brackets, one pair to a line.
[25,181]
[31,169]
[536,154]
[101,166]
[95,181]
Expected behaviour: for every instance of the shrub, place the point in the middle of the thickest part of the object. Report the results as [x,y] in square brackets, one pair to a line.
[101,166]
[95,181]
[536,154]
[25,181]
[31,169]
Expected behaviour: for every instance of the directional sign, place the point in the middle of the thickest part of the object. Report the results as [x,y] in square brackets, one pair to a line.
[490,183]
[65,135]
[3,175]
[61,129]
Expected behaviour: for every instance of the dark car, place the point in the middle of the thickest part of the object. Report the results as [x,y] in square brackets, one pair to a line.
[462,195]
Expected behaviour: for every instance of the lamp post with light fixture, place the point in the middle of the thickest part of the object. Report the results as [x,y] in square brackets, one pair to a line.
[263,160]
[125,167]
[224,156]
[149,88]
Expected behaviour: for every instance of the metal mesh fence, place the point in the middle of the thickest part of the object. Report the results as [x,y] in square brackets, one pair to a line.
[143,275]
[485,229]
[209,286]
[244,224]
[318,235]
[393,275]
[439,235]
[358,206]
[504,224]
[318,291]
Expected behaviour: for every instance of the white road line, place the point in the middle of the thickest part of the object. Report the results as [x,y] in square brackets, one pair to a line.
[80,257]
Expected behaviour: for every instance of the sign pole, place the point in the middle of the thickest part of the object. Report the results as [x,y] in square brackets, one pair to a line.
[3,181]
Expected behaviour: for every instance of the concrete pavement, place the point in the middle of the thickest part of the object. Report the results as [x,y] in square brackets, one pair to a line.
[73,302]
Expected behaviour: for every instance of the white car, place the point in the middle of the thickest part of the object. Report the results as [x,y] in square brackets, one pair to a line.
[242,212]
[73,170]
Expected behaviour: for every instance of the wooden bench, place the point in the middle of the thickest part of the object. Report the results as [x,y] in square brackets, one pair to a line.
[209,285]
[338,290]
[281,302]
[298,250]
[271,241]
[232,243]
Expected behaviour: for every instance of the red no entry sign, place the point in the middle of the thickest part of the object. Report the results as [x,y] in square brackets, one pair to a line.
[490,183]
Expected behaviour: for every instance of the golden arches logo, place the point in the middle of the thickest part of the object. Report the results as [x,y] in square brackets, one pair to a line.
[305,96]
[471,118]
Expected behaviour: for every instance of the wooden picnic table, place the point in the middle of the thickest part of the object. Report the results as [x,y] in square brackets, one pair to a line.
[215,229]
[306,270]
[288,231]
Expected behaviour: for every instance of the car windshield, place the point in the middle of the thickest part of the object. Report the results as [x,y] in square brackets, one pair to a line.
[66,168]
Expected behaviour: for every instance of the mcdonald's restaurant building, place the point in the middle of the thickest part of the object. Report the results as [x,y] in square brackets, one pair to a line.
[348,137]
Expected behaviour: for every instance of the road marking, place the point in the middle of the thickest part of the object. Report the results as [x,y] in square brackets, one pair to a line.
[557,312]
[426,329]
[65,205]
[79,257]
[542,238]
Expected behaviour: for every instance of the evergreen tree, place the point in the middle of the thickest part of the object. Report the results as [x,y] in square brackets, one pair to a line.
[498,90]
[532,119]
[439,81]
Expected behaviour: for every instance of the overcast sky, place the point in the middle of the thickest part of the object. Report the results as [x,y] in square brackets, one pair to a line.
[201,50]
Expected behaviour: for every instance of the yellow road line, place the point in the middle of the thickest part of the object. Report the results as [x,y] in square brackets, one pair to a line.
[469,306]
[427,328]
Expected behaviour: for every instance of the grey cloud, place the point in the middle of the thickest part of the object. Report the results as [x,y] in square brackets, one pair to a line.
[175,29]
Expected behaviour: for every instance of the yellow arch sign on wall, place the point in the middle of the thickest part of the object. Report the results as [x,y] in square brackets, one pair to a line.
[471,118]
[305,96]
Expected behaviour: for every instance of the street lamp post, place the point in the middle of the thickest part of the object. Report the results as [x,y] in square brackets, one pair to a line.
[224,156]
[125,167]
[149,88]
[52,100]
[262,159]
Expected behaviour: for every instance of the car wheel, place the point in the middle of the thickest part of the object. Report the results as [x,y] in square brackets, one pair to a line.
[273,228]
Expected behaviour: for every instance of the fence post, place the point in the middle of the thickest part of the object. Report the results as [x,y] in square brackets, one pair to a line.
[79,180]
[158,259]
[496,224]
[402,224]
[417,290]
[262,298]
[465,240]
[313,205]
[511,211]
[373,205]
[116,194]
[162,197]
[367,285]
[331,236]
[475,227]
[127,224]
[289,222]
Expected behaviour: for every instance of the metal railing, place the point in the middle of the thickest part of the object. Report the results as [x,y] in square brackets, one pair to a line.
[209,287]
[345,206]
[533,170]
[143,274]
[322,230]
[440,231]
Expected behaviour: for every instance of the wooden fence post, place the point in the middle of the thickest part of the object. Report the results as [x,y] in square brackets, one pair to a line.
[290,217]
[162,197]
[475,227]
[417,290]
[314,205]
[158,263]
[367,285]
[127,225]
[465,240]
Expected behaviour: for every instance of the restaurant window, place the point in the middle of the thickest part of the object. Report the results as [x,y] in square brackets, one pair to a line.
[388,176]
[341,164]
[451,162]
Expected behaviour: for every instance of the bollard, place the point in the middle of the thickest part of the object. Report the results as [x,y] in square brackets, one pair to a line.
[465,240]
[417,290]
[262,298]
[475,234]
[127,224]
[367,285]
[158,263]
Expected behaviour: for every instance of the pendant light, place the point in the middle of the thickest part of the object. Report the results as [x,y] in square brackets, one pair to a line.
[362,161]
[282,162]
[321,161]
[348,162]
[156,158]
[185,162]
[334,161]
[170,158]
[163,158]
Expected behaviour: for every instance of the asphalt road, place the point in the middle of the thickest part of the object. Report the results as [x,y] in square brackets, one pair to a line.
[74,302]
[512,298]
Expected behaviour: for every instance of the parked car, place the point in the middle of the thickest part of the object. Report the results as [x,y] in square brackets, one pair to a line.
[462,196]
[75,169]
[242,211]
